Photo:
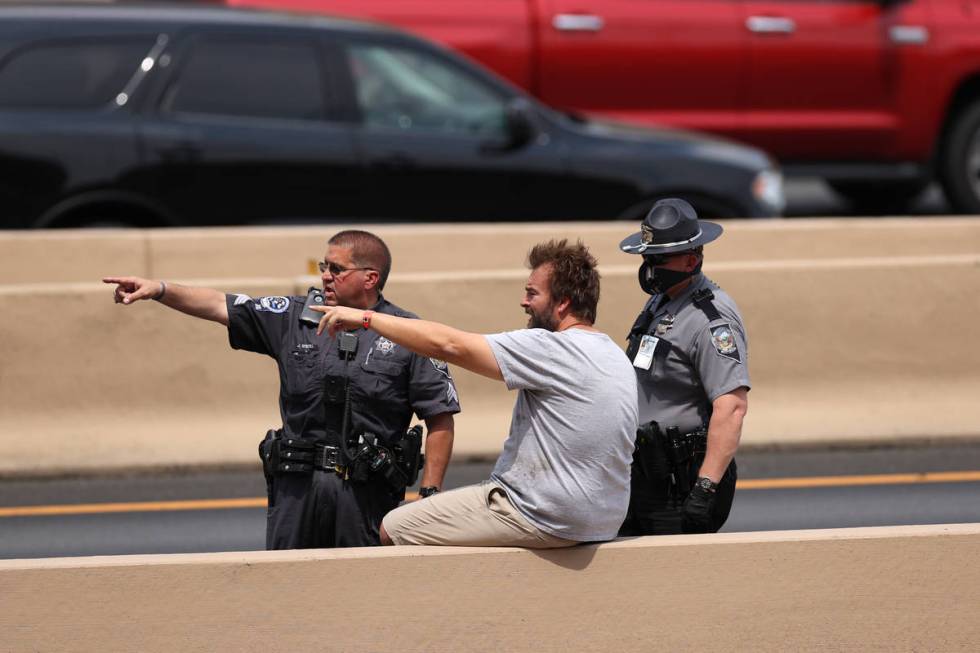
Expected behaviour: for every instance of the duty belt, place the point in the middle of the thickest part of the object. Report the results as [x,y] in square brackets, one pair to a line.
[298,455]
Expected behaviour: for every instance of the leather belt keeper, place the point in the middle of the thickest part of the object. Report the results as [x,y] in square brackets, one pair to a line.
[292,455]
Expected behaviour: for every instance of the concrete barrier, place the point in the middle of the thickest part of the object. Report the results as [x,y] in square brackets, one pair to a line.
[866,347]
[284,252]
[871,589]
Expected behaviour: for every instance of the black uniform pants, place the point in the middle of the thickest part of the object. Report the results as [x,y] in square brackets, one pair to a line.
[322,510]
[652,509]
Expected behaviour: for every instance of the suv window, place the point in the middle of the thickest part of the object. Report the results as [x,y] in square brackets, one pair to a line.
[408,89]
[76,74]
[236,77]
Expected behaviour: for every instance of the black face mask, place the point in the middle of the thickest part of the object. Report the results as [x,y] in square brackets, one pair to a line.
[656,280]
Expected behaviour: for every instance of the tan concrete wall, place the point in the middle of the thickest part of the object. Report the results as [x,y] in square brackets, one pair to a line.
[861,345]
[88,255]
[913,588]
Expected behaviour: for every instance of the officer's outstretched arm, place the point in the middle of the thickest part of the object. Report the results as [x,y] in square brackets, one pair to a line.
[204,303]
[468,350]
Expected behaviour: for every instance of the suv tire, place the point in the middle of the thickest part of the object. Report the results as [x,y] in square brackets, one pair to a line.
[960,164]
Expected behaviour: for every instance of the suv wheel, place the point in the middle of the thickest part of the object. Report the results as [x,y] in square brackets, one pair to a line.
[960,164]
[879,197]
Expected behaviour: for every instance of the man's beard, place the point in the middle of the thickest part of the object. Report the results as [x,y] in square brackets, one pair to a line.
[545,320]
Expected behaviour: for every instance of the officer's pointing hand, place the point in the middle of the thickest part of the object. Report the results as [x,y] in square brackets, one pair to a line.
[337,318]
[131,289]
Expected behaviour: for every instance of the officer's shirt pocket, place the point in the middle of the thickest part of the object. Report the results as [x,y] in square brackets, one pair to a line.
[659,364]
[302,375]
[381,378]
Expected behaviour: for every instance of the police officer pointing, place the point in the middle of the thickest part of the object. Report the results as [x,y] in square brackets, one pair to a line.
[689,351]
[342,458]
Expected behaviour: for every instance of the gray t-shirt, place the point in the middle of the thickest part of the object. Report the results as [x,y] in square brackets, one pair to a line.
[566,463]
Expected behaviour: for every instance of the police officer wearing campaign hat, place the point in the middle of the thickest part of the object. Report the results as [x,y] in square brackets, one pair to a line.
[690,355]
[344,455]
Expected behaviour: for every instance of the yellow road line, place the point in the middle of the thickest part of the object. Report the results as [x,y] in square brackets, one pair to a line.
[260,502]
[865,479]
[142,506]
[134,506]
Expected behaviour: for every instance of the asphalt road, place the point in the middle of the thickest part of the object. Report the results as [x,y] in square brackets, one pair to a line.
[196,512]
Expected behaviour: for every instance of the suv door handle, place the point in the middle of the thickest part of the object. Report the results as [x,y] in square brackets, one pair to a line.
[577,23]
[180,152]
[770,25]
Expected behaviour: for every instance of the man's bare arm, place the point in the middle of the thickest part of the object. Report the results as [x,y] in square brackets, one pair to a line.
[205,303]
[468,350]
[724,432]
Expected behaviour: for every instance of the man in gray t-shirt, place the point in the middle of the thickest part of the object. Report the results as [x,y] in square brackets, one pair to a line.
[566,463]
[564,474]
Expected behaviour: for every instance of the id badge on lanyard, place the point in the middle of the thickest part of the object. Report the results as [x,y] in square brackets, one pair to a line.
[644,356]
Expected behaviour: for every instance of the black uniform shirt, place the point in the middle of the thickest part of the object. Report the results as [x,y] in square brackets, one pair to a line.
[388,382]
[696,358]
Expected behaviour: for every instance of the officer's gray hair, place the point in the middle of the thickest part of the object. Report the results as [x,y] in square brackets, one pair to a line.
[367,251]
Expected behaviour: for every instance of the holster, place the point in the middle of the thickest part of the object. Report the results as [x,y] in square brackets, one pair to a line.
[395,461]
[408,453]
[281,455]
[670,457]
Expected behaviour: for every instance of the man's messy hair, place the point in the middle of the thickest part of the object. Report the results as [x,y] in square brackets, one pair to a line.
[574,275]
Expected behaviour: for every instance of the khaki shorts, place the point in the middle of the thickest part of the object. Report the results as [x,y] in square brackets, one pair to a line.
[475,515]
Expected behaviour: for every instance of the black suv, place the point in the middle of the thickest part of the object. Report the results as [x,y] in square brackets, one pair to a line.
[152,116]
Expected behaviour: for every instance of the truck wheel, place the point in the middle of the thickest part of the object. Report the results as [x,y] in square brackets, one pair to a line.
[960,164]
[879,198]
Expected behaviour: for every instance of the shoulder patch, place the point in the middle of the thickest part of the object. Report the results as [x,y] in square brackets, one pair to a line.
[724,341]
[276,304]
[440,365]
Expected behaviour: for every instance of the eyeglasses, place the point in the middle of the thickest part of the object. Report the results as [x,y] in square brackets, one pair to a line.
[335,269]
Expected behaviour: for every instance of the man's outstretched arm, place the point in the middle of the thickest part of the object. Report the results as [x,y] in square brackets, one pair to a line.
[432,339]
[205,303]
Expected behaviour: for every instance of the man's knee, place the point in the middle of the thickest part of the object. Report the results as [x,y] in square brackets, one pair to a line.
[385,540]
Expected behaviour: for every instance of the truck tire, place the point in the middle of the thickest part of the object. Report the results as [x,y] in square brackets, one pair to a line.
[879,197]
[960,164]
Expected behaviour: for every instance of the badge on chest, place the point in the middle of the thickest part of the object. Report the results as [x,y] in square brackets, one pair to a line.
[665,324]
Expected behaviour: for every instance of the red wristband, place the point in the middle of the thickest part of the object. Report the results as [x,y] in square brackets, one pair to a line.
[366,320]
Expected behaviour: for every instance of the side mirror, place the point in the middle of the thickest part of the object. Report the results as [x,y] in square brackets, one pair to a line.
[519,128]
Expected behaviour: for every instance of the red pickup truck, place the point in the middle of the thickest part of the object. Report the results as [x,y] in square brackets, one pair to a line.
[878,97]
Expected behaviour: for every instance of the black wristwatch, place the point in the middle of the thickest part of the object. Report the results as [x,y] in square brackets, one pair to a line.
[428,491]
[706,484]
